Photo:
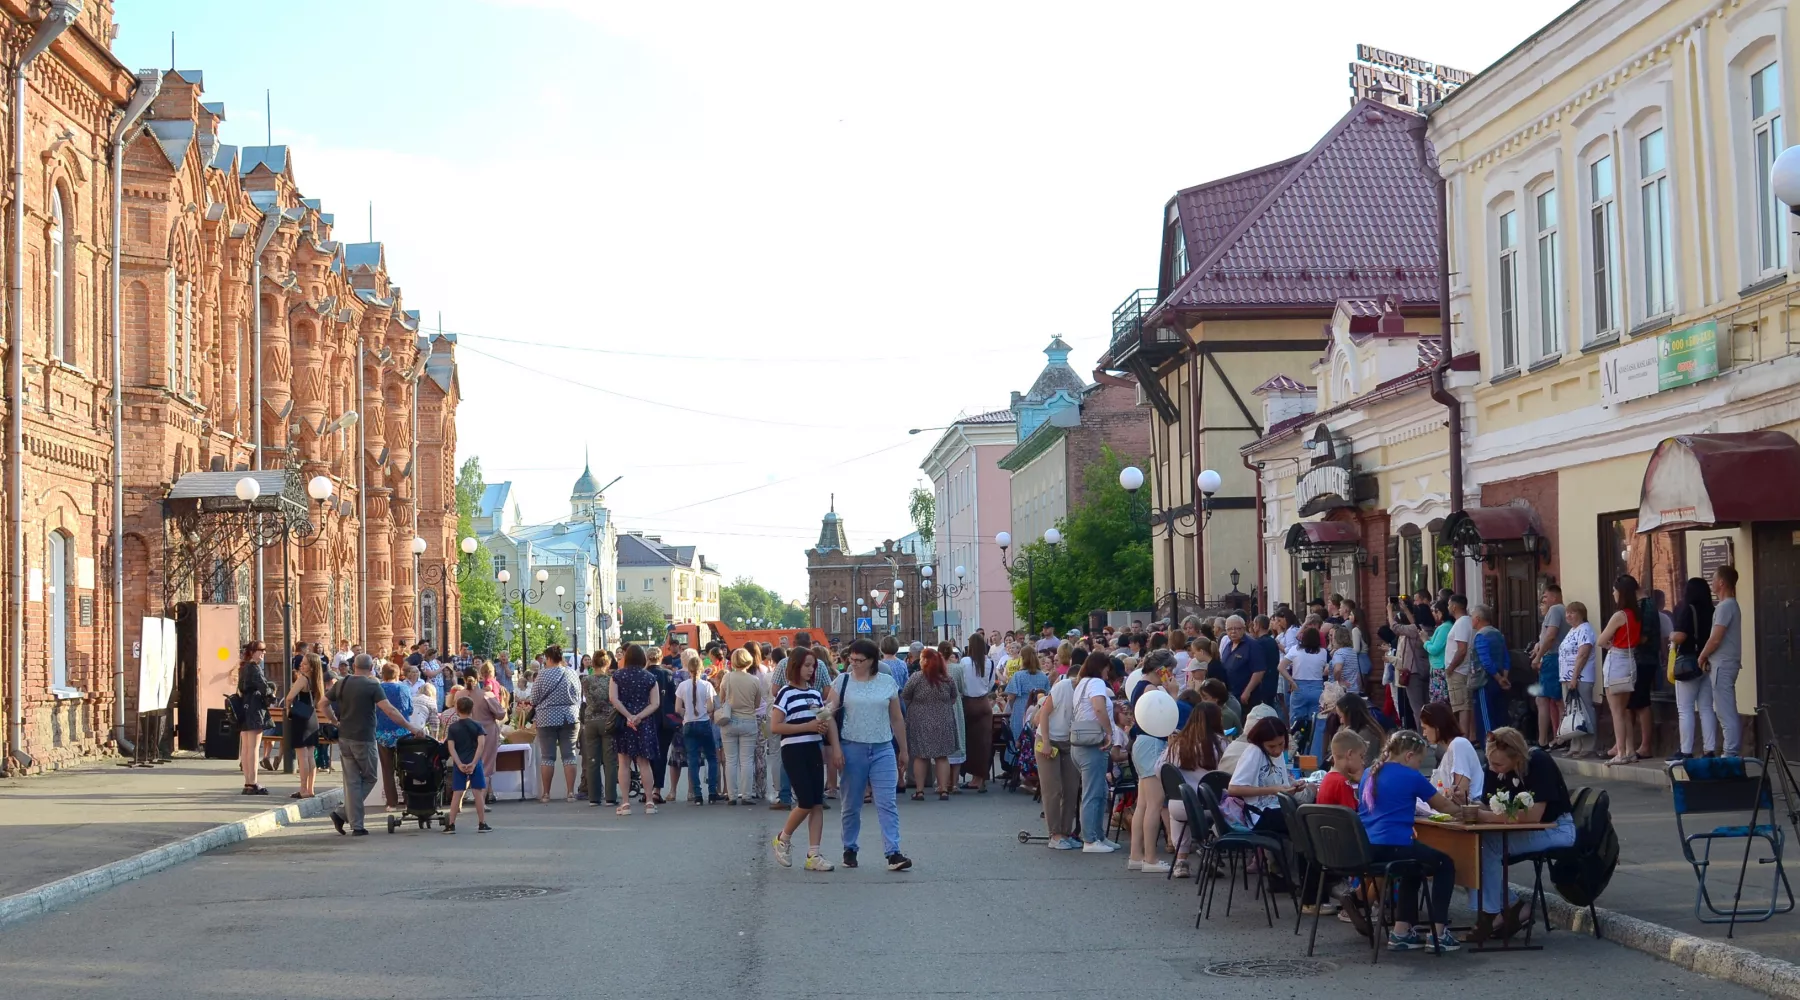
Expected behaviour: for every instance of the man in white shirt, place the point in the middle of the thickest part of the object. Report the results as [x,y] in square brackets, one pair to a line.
[342,657]
[694,699]
[1459,661]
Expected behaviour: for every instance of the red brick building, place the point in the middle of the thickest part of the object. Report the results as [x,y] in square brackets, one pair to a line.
[219,253]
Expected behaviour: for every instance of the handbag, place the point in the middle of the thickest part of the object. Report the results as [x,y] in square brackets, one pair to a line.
[1575,720]
[1086,732]
[1684,666]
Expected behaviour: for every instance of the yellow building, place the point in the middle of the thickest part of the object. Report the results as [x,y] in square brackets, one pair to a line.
[1624,270]
[677,577]
[1252,269]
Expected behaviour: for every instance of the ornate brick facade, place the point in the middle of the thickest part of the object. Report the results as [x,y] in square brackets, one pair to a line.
[196,215]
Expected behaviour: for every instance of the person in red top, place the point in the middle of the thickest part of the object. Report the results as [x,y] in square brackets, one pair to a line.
[1339,786]
[1619,669]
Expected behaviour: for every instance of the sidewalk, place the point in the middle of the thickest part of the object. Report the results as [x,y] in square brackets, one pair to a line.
[1654,883]
[66,822]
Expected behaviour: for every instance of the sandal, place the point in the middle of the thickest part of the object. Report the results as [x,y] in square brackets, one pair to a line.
[918,796]
[943,796]
[650,810]
[623,810]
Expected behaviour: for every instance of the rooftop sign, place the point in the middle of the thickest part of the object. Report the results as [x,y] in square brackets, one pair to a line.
[1401,81]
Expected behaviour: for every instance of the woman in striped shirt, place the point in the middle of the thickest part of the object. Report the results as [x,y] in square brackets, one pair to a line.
[808,739]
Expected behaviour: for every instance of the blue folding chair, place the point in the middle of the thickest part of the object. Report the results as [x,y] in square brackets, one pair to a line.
[1710,786]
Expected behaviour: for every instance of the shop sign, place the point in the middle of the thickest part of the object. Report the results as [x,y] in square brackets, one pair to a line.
[1690,356]
[1714,552]
[1654,364]
[1325,483]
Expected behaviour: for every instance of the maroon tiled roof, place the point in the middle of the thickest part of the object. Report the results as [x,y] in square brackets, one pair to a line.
[1280,383]
[1353,218]
[990,417]
[1210,211]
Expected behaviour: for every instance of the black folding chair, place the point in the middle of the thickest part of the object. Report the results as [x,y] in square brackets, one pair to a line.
[1126,785]
[1236,846]
[1340,846]
[1172,783]
[1300,860]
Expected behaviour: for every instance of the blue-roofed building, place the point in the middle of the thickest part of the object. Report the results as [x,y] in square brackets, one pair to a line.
[579,556]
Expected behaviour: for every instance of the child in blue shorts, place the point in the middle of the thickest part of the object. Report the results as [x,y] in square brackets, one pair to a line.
[464,739]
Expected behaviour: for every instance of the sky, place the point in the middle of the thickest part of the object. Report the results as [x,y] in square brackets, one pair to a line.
[734,252]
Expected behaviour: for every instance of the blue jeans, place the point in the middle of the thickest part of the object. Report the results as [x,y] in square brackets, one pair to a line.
[1303,700]
[868,764]
[1493,876]
[700,739]
[1092,762]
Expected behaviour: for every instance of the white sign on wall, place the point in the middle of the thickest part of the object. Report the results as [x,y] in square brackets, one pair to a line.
[1629,372]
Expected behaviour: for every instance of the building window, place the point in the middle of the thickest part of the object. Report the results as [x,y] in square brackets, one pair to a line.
[62,346]
[1765,114]
[187,337]
[171,323]
[1603,224]
[621,586]
[499,564]
[1180,255]
[58,558]
[1509,291]
[428,617]
[1548,256]
[1658,251]
[648,585]
[237,382]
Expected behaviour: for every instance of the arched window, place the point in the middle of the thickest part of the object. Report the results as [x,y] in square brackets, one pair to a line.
[62,346]
[240,372]
[171,331]
[58,596]
[187,337]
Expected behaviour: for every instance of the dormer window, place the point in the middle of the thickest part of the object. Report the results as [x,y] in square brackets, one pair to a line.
[1180,253]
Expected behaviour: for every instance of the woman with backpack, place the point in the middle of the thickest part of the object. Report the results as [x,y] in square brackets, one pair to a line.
[1513,768]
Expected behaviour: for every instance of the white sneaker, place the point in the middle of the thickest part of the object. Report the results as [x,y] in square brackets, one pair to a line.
[1155,868]
[1098,847]
[1134,865]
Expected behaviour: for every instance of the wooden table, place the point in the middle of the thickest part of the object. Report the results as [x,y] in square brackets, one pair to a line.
[1462,842]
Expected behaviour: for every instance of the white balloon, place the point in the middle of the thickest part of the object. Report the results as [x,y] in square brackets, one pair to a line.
[1157,714]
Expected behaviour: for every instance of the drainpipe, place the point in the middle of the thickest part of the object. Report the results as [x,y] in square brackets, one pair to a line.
[1440,391]
[1262,579]
[270,223]
[62,13]
[148,86]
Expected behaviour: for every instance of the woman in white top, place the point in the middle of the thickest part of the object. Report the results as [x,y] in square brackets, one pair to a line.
[1458,774]
[1090,733]
[1575,665]
[694,700]
[978,676]
[1260,775]
[1304,669]
[872,726]
[747,699]
[1059,781]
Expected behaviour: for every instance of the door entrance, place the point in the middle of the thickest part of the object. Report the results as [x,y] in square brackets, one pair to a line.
[1777,562]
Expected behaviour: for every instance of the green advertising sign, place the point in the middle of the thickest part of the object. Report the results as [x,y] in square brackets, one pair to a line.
[1687,356]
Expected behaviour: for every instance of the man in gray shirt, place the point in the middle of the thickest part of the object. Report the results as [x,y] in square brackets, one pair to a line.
[352,704]
[1723,655]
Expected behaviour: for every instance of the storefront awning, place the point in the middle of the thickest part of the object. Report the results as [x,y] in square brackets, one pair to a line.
[1324,535]
[1481,532]
[1697,480]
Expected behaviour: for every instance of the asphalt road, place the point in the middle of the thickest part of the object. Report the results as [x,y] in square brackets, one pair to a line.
[690,903]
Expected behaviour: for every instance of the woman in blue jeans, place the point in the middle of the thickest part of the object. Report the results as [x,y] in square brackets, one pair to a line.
[1304,666]
[872,727]
[1090,733]
[1513,767]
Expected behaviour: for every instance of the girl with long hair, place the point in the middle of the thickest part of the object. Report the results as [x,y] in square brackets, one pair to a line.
[1619,670]
[253,709]
[978,679]
[929,697]
[1090,730]
[302,707]
[808,739]
[1694,697]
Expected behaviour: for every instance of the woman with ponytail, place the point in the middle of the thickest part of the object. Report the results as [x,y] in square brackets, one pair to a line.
[1388,793]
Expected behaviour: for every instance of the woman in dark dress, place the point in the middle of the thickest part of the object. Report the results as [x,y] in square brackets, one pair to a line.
[635,701]
[252,708]
[302,705]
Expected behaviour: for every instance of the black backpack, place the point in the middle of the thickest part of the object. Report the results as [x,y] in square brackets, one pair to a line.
[1582,875]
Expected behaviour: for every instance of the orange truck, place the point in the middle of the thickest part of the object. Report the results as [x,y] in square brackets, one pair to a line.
[699,635]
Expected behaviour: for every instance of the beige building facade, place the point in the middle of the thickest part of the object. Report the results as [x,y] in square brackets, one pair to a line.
[678,578]
[1625,271]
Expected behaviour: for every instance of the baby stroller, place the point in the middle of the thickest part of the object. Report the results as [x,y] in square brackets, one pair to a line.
[423,776]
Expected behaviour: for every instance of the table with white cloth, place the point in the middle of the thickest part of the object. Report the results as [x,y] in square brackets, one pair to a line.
[506,783]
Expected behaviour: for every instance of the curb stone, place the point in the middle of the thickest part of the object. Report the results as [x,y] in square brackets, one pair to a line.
[36,902]
[1654,777]
[1713,959]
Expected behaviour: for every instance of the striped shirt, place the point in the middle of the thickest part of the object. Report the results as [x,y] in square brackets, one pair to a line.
[799,705]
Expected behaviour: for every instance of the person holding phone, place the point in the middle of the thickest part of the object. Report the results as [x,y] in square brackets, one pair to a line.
[809,740]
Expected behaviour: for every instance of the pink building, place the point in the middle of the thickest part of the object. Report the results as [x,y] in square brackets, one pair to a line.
[974,503]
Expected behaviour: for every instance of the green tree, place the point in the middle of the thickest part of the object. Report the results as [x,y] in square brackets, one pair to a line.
[750,601]
[642,619]
[1104,561]
[480,595]
[921,507]
[541,629]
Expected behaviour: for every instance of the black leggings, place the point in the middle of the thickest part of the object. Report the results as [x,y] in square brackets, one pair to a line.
[1433,864]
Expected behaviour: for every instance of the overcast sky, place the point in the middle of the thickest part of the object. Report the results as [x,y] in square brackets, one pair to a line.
[738,250]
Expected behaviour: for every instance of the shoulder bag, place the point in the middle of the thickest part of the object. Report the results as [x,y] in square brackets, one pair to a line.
[1086,732]
[1686,666]
[721,715]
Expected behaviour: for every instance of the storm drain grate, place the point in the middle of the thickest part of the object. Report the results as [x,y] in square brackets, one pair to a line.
[494,893]
[1270,968]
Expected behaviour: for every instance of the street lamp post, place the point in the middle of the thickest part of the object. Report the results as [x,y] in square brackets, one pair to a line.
[524,596]
[435,575]
[943,591]
[1208,482]
[320,489]
[1052,538]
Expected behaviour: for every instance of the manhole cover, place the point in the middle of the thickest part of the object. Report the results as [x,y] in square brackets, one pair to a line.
[1270,968]
[494,893]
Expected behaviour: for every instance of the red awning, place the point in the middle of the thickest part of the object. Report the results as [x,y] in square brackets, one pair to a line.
[1324,534]
[1495,524]
[1696,480]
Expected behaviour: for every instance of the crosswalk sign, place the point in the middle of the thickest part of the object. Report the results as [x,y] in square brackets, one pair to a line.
[864,626]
